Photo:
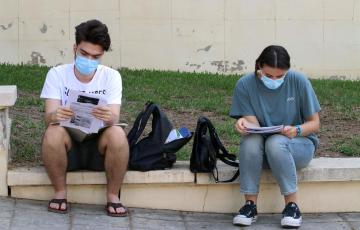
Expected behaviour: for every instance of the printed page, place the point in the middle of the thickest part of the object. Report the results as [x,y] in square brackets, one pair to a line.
[269,129]
[82,105]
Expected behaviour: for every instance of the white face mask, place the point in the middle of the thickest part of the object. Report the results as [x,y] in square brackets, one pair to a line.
[86,66]
[272,84]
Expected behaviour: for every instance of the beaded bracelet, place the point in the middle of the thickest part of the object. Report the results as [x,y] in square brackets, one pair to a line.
[298,130]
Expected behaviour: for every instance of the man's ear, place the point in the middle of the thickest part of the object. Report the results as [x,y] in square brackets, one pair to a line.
[74,49]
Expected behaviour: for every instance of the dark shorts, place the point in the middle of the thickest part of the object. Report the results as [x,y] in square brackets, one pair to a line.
[85,156]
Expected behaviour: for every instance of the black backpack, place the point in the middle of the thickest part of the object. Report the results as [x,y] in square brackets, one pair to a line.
[207,148]
[151,152]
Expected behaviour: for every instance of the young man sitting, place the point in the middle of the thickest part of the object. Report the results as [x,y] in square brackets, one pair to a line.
[109,149]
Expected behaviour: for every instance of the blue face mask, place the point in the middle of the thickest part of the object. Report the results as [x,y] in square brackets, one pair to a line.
[86,66]
[272,84]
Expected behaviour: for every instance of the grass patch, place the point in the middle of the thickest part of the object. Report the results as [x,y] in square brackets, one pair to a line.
[349,147]
[26,77]
[343,96]
[179,91]
[185,95]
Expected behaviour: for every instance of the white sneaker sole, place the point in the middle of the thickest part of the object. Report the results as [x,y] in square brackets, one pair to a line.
[291,222]
[243,220]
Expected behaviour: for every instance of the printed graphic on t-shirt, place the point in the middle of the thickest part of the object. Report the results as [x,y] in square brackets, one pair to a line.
[100,91]
[290,99]
[97,92]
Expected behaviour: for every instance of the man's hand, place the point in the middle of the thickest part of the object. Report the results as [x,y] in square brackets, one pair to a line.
[103,113]
[62,113]
[289,131]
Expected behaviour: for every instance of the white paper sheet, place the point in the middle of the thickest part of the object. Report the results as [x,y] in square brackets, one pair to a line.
[269,129]
[82,105]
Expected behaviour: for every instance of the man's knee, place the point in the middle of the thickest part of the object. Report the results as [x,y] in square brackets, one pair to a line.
[114,136]
[56,135]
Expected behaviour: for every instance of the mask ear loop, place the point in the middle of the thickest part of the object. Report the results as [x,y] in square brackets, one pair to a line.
[285,74]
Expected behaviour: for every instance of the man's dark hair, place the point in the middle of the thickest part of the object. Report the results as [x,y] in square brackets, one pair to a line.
[273,56]
[93,31]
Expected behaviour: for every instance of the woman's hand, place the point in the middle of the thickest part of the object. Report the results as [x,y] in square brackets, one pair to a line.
[246,122]
[62,113]
[241,126]
[289,131]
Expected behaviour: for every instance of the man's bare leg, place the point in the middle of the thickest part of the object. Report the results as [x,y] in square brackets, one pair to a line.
[56,142]
[113,144]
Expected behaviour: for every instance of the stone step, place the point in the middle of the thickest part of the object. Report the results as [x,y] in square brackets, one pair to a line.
[327,185]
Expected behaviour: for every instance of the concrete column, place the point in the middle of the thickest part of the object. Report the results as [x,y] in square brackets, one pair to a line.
[8,95]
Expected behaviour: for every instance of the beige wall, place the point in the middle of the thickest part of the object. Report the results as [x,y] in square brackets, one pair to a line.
[322,36]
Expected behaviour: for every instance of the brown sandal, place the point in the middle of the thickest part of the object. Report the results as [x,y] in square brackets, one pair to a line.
[115,206]
[59,202]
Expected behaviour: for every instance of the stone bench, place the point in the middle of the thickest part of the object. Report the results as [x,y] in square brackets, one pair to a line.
[327,185]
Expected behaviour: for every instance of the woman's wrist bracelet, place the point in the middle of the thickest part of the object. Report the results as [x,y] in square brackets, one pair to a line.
[298,130]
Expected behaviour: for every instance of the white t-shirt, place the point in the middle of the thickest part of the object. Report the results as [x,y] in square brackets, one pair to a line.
[59,80]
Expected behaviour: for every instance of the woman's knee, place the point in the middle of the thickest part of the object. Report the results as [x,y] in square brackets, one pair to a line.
[302,150]
[252,144]
[276,146]
[302,163]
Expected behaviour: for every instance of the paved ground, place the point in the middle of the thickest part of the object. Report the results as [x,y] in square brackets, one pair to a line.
[33,215]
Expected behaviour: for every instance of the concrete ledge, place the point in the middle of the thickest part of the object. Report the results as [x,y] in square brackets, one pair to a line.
[320,188]
[37,176]
[8,95]
[320,170]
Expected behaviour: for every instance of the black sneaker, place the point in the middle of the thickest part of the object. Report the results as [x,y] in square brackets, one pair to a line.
[247,214]
[291,216]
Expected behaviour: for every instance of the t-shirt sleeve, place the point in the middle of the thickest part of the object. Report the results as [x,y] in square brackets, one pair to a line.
[309,102]
[241,105]
[51,88]
[114,95]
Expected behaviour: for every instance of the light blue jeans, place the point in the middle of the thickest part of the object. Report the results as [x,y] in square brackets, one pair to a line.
[282,154]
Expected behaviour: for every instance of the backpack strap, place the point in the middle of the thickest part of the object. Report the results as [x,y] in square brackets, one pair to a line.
[134,129]
[140,123]
[152,109]
[215,174]
[227,158]
[193,162]
[222,154]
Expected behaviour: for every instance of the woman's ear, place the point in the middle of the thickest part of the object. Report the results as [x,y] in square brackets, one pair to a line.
[258,70]
[258,73]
